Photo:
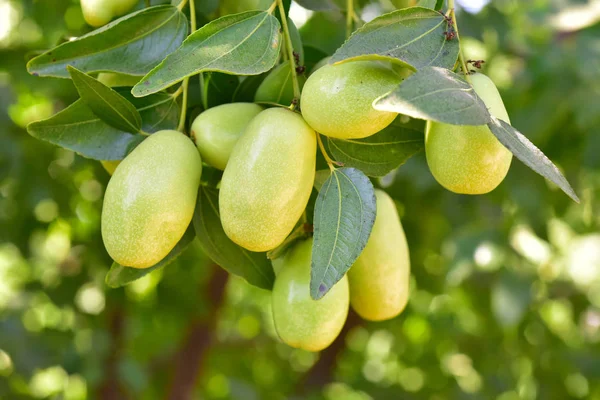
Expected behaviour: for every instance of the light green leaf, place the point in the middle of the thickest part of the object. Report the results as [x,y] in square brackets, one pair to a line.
[119,275]
[77,128]
[530,155]
[240,44]
[436,94]
[412,37]
[133,45]
[343,220]
[253,267]
[106,103]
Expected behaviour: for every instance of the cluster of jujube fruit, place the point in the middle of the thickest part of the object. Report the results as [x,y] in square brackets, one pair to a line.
[268,157]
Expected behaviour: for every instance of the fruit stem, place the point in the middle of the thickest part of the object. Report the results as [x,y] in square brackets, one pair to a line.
[330,162]
[349,18]
[290,53]
[178,92]
[461,57]
[186,81]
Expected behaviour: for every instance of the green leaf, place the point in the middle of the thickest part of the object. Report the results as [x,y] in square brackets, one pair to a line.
[321,177]
[530,155]
[247,88]
[106,103]
[217,88]
[239,44]
[253,267]
[427,4]
[379,154]
[77,128]
[119,275]
[318,5]
[343,220]
[411,36]
[133,45]
[436,94]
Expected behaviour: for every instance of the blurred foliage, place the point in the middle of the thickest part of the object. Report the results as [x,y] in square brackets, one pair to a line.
[505,290]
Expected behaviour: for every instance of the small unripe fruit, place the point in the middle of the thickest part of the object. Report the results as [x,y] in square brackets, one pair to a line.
[469,159]
[217,130]
[100,12]
[150,199]
[278,86]
[300,321]
[268,179]
[337,100]
[379,279]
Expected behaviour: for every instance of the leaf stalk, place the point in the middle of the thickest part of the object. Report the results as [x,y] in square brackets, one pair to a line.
[290,53]
[186,81]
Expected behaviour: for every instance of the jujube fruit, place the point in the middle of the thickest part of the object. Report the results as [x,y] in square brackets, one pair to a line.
[469,159]
[300,321]
[150,199]
[100,12]
[379,279]
[268,179]
[217,130]
[337,99]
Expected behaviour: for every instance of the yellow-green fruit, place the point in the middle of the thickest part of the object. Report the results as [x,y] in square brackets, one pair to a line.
[110,166]
[300,321]
[150,199]
[337,99]
[278,86]
[268,179]
[100,12]
[238,6]
[469,159]
[380,276]
[217,130]
[113,79]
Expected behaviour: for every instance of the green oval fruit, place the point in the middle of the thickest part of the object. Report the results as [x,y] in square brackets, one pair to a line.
[110,166]
[217,130]
[100,12]
[300,321]
[113,79]
[379,278]
[278,86]
[337,99]
[238,6]
[268,179]
[469,159]
[150,199]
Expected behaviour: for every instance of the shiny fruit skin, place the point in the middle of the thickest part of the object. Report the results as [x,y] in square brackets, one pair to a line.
[100,12]
[268,179]
[379,279]
[114,79]
[337,99]
[300,321]
[150,199]
[217,130]
[278,86]
[469,159]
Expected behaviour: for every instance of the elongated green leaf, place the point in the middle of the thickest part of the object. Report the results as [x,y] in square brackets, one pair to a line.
[343,220]
[436,94]
[253,267]
[133,44]
[247,89]
[427,4]
[318,5]
[77,128]
[217,88]
[411,36]
[106,103]
[379,154]
[119,275]
[240,44]
[530,155]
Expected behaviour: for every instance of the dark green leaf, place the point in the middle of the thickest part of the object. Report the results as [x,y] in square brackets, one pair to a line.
[321,177]
[379,154]
[324,31]
[119,275]
[436,94]
[78,129]
[240,44]
[530,155]
[344,217]
[253,267]
[247,89]
[133,45]
[411,36]
[318,5]
[106,103]
[217,88]
[439,4]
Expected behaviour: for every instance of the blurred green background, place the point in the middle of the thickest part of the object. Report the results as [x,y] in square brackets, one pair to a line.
[505,288]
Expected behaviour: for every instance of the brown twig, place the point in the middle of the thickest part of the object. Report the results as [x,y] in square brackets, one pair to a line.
[111,388]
